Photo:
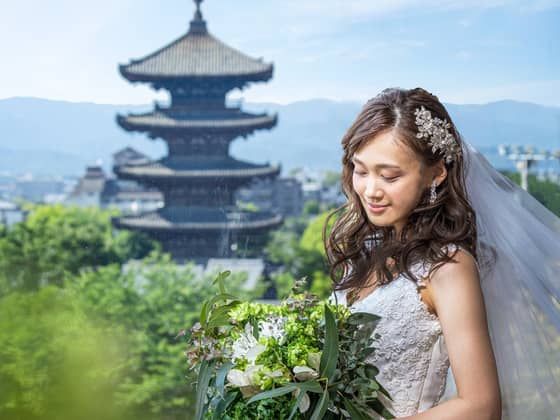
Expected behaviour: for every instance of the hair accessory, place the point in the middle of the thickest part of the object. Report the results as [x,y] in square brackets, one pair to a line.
[437,133]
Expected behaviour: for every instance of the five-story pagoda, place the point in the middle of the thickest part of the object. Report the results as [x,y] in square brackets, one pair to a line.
[198,177]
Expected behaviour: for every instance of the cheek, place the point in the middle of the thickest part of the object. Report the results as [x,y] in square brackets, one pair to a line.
[409,194]
[357,183]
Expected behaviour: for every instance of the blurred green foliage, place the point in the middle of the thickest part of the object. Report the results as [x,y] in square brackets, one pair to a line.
[84,335]
[298,248]
[54,241]
[55,362]
[546,192]
[331,178]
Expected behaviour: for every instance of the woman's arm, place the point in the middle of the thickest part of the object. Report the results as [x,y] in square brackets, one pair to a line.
[457,297]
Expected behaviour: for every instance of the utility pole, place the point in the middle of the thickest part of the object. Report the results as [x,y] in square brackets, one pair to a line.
[525,158]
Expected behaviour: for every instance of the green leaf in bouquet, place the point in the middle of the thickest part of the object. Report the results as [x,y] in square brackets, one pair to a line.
[378,407]
[273,393]
[296,405]
[360,318]
[224,404]
[221,376]
[221,296]
[301,395]
[308,386]
[204,375]
[254,322]
[321,407]
[368,352]
[220,280]
[329,357]
[204,313]
[220,315]
[356,412]
[384,391]
[208,305]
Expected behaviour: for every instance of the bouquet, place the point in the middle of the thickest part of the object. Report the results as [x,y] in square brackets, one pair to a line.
[301,359]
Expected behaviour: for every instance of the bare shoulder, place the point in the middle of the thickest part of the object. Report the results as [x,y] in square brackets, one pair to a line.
[463,266]
[458,299]
[456,284]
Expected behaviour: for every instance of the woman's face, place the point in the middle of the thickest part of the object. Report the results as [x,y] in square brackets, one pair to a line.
[389,179]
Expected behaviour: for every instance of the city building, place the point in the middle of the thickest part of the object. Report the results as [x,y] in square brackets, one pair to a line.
[10,213]
[31,188]
[96,189]
[283,196]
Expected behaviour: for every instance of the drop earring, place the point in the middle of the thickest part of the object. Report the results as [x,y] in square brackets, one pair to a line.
[433,194]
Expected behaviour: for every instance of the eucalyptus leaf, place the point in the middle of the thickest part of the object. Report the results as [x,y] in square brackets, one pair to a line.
[273,393]
[204,313]
[308,386]
[321,407]
[220,316]
[224,404]
[358,318]
[384,391]
[221,377]
[329,357]
[220,280]
[222,296]
[204,376]
[380,409]
[296,406]
[356,413]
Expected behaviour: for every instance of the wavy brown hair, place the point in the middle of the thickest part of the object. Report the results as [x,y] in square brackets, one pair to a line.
[429,227]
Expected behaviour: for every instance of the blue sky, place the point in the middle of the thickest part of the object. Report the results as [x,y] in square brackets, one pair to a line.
[347,50]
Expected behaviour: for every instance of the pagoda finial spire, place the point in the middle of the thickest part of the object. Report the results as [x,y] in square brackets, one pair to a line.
[197,14]
[198,24]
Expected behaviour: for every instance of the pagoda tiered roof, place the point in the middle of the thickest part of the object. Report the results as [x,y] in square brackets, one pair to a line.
[198,178]
[197,54]
[186,167]
[170,118]
[201,218]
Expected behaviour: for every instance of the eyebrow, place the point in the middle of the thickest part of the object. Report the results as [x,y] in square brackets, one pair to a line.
[378,166]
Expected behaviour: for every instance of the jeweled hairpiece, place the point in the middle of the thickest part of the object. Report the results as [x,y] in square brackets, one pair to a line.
[437,133]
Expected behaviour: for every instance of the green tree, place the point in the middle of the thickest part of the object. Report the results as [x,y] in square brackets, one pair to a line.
[546,192]
[55,240]
[298,247]
[314,260]
[311,208]
[331,178]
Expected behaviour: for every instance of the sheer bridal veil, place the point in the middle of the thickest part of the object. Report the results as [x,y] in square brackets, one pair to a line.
[519,258]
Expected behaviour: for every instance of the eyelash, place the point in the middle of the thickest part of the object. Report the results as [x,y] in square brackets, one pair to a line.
[386,178]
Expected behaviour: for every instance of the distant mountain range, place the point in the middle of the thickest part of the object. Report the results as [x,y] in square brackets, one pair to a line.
[55,137]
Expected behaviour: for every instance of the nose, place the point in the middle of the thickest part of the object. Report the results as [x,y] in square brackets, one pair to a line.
[373,191]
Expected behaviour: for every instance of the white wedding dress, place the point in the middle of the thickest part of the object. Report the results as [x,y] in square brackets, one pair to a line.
[412,357]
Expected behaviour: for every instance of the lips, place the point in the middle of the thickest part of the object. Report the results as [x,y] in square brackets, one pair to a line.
[374,207]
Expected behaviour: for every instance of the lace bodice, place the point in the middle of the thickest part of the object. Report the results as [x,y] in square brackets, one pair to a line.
[412,357]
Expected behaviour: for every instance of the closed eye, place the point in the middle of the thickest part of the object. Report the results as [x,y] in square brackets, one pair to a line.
[389,178]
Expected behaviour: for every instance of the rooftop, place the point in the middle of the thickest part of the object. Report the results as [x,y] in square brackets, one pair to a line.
[200,218]
[161,119]
[194,55]
[197,167]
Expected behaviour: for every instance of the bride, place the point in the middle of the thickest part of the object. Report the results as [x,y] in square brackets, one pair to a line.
[461,264]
